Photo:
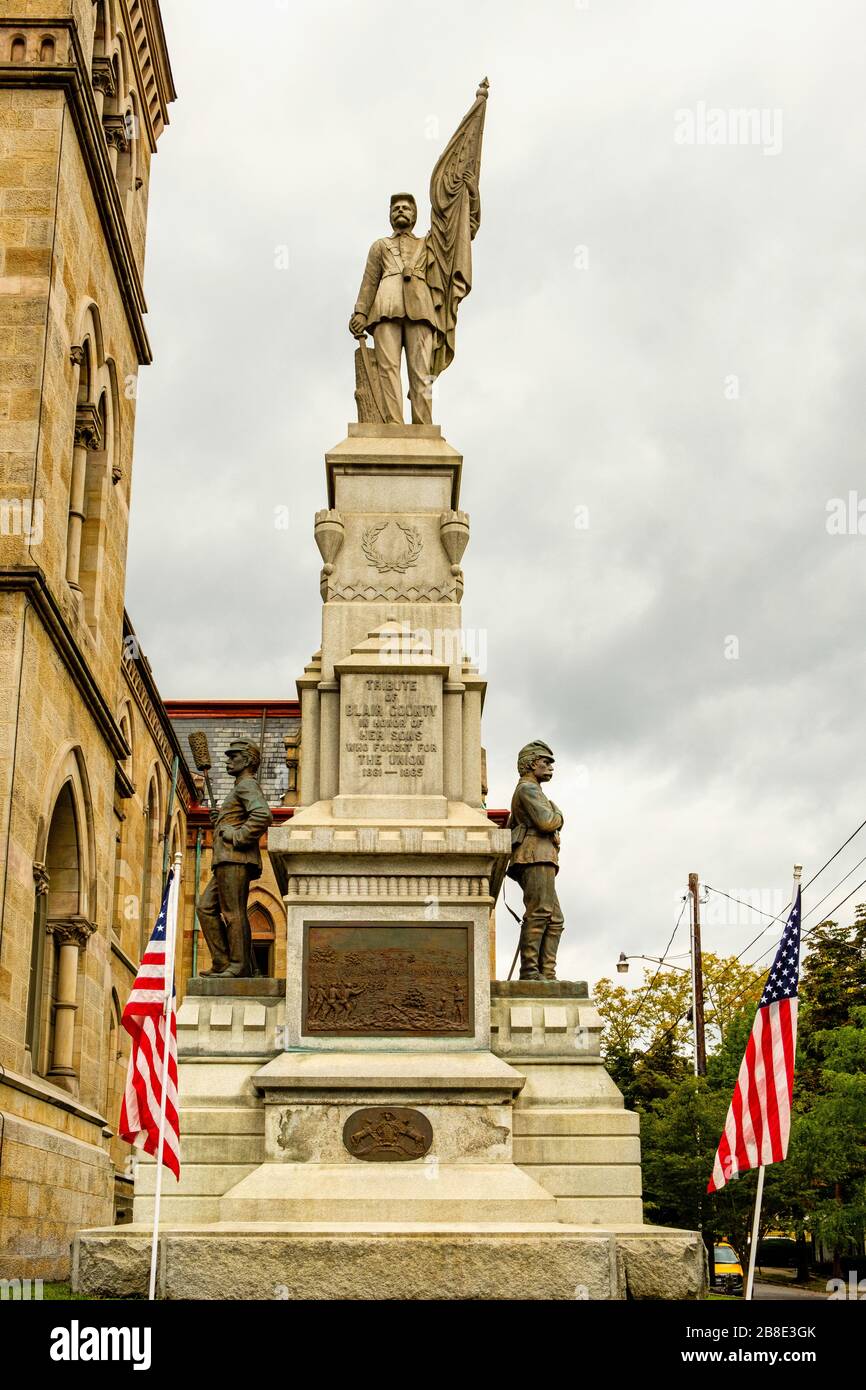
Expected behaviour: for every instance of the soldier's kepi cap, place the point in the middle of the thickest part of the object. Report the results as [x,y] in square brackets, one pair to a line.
[403,197]
[242,745]
[530,751]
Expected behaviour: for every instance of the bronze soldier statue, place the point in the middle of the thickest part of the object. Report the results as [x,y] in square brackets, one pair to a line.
[535,824]
[238,823]
[413,286]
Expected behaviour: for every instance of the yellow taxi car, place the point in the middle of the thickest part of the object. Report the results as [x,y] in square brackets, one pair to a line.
[727,1270]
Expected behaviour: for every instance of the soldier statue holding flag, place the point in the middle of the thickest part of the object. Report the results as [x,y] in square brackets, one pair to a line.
[412,286]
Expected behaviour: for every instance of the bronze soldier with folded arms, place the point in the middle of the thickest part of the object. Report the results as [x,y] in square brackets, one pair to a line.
[535,823]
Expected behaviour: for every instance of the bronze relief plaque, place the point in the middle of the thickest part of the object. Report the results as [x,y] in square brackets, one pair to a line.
[387,1134]
[391,978]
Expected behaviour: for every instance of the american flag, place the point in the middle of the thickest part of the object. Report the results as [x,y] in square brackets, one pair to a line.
[759,1116]
[149,1023]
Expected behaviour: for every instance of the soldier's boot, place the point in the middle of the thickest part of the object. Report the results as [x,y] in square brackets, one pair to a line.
[549,948]
[530,942]
[239,946]
[215,935]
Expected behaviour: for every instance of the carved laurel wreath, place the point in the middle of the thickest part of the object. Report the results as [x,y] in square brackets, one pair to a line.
[405,560]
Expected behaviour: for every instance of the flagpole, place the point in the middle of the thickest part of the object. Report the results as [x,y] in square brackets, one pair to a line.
[759,1193]
[170,938]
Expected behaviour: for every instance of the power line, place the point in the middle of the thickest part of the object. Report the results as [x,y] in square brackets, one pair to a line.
[835,886]
[751,908]
[781,918]
[828,916]
[783,915]
[833,856]
[640,1002]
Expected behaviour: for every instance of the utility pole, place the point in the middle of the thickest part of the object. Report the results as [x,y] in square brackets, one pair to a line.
[697,979]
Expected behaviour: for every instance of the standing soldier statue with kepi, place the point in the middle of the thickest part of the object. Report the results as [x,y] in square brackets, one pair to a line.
[237,827]
[535,824]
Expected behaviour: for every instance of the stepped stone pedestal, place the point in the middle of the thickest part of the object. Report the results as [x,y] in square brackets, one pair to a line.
[397,1126]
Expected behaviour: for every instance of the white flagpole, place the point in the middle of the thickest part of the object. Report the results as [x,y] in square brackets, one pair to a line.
[170,938]
[756,1221]
[759,1194]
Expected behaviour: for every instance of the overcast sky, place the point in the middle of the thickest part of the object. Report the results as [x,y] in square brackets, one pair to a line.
[666,332]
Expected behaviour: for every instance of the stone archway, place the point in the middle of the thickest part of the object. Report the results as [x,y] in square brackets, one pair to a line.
[62,924]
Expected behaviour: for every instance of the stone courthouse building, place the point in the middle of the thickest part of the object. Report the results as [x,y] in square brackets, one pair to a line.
[94,792]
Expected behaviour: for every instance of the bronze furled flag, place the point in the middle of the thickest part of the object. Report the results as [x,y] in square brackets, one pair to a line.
[455,216]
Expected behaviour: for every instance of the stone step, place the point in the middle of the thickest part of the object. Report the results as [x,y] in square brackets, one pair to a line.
[554,1120]
[576,1149]
[171,1209]
[196,1179]
[467,1192]
[223,1148]
[222,1120]
[599,1211]
[587,1179]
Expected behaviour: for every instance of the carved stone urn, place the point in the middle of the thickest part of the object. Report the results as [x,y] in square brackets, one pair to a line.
[329,532]
[454,530]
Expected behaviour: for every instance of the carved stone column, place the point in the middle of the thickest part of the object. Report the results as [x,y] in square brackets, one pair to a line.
[308,689]
[71,935]
[292,744]
[104,85]
[329,735]
[117,138]
[88,435]
[453,739]
[472,701]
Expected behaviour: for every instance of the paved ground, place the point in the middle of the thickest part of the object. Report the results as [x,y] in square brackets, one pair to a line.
[779,1293]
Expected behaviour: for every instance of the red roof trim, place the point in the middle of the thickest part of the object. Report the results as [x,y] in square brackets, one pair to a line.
[232,709]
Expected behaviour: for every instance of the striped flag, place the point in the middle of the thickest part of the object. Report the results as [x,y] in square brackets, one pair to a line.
[150,1020]
[759,1117]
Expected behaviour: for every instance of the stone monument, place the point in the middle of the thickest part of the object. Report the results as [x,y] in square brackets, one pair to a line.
[390,1122]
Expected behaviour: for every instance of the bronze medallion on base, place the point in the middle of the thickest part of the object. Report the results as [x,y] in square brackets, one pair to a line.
[387,1134]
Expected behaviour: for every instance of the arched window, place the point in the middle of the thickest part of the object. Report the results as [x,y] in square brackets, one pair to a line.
[62,920]
[97,490]
[122,884]
[46,50]
[18,51]
[95,468]
[262,928]
[100,31]
[150,866]
[114,1070]
[58,901]
[125,722]
[127,161]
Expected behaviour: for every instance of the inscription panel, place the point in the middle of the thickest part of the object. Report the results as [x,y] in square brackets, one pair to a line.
[383,979]
[391,734]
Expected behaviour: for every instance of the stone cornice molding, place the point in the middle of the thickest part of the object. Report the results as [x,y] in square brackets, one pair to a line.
[31,581]
[102,76]
[88,427]
[72,77]
[116,133]
[151,715]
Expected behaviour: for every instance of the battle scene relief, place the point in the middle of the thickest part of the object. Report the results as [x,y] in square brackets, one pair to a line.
[391,978]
